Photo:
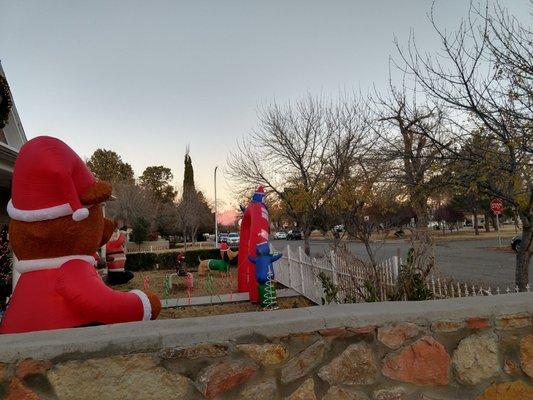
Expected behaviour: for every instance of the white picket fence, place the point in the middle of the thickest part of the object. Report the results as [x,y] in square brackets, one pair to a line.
[161,247]
[299,272]
[444,289]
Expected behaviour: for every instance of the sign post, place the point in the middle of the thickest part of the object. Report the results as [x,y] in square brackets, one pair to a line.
[496,206]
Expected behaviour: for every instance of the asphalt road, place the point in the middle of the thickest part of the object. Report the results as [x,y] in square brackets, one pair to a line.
[465,260]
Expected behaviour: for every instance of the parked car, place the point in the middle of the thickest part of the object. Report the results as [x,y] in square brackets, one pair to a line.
[338,228]
[294,234]
[222,237]
[233,239]
[516,242]
[281,235]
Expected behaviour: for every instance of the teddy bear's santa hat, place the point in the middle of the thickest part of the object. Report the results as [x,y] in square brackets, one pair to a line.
[51,181]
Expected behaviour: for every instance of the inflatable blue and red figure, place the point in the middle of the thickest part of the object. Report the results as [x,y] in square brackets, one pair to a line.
[255,230]
[264,272]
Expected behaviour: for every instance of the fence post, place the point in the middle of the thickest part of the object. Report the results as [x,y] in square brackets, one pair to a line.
[289,264]
[396,263]
[334,269]
[301,268]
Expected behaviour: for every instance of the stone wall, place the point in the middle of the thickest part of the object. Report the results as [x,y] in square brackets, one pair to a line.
[474,348]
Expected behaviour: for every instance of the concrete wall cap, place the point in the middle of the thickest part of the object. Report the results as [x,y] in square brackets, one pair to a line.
[152,335]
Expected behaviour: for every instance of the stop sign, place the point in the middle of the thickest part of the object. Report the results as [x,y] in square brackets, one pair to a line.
[496,206]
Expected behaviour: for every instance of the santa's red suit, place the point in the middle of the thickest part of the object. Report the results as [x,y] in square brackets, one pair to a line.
[115,253]
[116,259]
[65,292]
[62,292]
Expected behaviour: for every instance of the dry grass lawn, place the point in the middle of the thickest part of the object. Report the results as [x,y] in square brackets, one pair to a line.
[203,286]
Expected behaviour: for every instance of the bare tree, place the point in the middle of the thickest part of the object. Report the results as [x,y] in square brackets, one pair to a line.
[403,125]
[132,203]
[300,152]
[192,213]
[484,74]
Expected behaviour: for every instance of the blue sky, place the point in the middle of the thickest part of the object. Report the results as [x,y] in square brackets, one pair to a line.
[147,79]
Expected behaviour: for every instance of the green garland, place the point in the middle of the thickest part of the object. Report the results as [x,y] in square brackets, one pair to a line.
[5,103]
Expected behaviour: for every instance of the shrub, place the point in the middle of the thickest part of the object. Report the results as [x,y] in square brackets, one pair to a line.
[140,261]
[139,232]
[167,260]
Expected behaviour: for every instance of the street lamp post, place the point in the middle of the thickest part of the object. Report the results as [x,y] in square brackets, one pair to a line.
[216,224]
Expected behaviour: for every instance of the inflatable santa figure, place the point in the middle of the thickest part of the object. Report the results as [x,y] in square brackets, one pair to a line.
[255,229]
[116,259]
[57,225]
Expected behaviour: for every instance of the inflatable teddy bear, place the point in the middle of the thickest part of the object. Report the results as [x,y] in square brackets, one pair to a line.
[57,224]
[264,270]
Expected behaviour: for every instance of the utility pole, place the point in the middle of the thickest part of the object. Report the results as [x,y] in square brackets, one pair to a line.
[216,224]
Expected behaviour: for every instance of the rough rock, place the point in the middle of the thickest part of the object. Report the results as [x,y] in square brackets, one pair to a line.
[305,392]
[516,390]
[363,330]
[510,367]
[263,390]
[265,354]
[302,363]
[30,366]
[526,354]
[397,393]
[117,378]
[202,350]
[3,372]
[219,378]
[339,393]
[478,322]
[476,358]
[513,321]
[395,336]
[335,332]
[424,362]
[18,391]
[447,326]
[354,366]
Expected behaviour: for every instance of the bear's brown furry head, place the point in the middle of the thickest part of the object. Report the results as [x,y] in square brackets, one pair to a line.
[64,236]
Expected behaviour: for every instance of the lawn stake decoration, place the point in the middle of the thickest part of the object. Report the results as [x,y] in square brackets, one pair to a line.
[255,229]
[209,286]
[57,224]
[265,273]
[229,287]
[146,282]
[189,284]
[270,293]
[180,264]
[222,265]
[167,286]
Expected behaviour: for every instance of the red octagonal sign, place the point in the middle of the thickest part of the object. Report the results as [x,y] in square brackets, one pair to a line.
[496,206]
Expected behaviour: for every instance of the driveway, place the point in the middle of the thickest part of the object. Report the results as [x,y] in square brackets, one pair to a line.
[463,260]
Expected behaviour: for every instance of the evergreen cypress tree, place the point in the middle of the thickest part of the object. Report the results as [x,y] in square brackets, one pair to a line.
[188,177]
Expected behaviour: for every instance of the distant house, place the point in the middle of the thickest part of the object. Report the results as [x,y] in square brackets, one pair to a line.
[12,137]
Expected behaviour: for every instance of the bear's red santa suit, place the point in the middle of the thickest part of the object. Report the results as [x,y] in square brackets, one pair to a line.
[60,292]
